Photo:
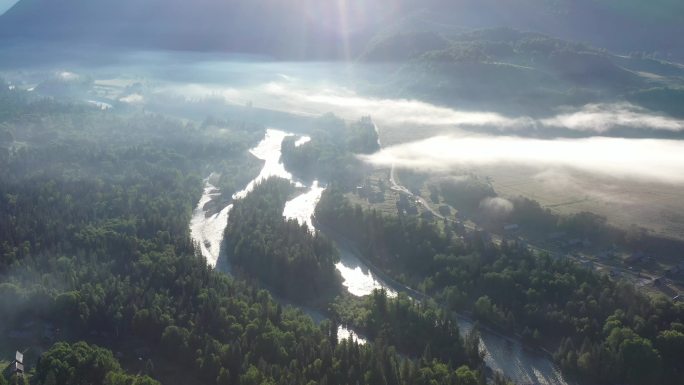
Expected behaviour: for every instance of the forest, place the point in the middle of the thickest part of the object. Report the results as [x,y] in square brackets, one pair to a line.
[329,156]
[415,328]
[601,330]
[281,253]
[101,283]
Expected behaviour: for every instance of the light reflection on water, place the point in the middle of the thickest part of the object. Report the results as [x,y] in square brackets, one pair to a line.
[267,150]
[207,229]
[508,356]
[344,333]
[302,207]
[357,277]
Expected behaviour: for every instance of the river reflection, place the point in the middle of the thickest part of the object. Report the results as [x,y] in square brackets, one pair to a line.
[356,277]
[502,354]
[511,358]
[302,207]
[206,228]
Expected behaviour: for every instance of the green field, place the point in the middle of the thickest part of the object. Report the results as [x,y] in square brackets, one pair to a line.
[655,207]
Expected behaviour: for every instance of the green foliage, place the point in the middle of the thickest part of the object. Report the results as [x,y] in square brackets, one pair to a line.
[397,244]
[361,136]
[605,331]
[75,364]
[18,380]
[409,326]
[80,363]
[465,376]
[330,155]
[117,378]
[94,214]
[465,194]
[283,254]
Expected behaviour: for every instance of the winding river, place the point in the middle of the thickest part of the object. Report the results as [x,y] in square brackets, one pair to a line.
[502,354]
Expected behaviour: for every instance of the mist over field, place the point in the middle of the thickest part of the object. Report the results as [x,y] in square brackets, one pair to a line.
[637,159]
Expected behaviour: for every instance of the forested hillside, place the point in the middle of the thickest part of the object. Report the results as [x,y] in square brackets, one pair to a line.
[94,212]
[506,69]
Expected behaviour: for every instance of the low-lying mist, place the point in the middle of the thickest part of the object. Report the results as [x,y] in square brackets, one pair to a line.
[144,78]
[147,80]
[319,96]
[640,159]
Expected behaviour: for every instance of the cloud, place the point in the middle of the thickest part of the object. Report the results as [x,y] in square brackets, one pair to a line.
[391,111]
[496,207]
[643,159]
[604,117]
[132,99]
[597,118]
[295,95]
[67,76]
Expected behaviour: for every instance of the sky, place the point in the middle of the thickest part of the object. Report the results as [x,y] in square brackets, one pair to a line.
[6,4]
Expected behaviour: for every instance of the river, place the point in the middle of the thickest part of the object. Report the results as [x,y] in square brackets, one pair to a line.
[503,354]
[206,228]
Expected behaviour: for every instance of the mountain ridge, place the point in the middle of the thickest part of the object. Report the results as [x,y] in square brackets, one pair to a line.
[307,29]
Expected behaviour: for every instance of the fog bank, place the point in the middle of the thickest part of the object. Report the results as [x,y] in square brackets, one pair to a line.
[641,159]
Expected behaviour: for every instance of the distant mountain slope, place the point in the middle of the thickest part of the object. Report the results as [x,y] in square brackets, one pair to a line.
[618,25]
[339,28]
[505,68]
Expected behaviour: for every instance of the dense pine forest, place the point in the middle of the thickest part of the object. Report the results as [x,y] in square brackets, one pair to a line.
[341,192]
[283,254]
[99,277]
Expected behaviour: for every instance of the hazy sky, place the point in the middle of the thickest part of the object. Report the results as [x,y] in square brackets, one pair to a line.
[5,5]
